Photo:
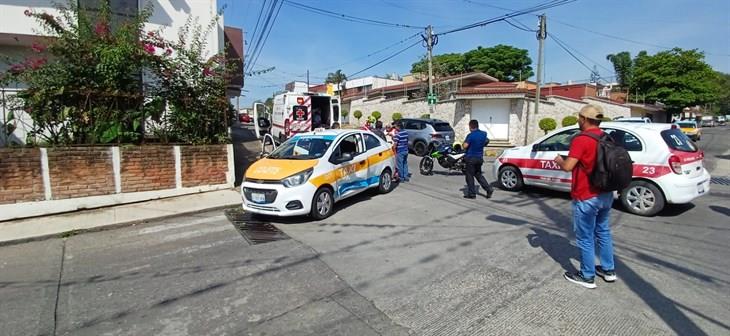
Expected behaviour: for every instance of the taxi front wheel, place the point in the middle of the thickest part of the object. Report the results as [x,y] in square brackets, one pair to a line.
[510,178]
[386,182]
[323,204]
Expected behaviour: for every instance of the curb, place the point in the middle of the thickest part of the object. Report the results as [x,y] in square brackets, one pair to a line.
[102,227]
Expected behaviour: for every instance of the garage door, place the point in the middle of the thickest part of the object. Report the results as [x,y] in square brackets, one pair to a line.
[493,116]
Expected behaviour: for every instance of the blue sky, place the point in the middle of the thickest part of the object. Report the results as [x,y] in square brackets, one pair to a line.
[301,40]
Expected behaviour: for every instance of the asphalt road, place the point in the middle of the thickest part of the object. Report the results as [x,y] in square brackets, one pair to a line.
[421,260]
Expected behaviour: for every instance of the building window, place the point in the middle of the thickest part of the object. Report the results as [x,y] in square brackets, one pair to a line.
[122,10]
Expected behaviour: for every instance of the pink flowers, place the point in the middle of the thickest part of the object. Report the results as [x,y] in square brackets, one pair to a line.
[17,68]
[101,28]
[37,47]
[149,48]
[168,52]
[151,34]
[207,72]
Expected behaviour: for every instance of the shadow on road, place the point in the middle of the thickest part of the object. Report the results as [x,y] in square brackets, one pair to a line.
[720,209]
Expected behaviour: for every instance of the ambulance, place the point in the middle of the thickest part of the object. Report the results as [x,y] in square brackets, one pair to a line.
[312,171]
[668,166]
[296,112]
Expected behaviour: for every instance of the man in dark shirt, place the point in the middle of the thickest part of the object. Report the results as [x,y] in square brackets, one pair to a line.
[474,158]
[591,206]
[378,130]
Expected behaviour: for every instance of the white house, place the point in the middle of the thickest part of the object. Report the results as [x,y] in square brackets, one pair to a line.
[18,32]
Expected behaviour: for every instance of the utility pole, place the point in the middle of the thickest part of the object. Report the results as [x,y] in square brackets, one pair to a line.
[541,35]
[430,41]
[307,80]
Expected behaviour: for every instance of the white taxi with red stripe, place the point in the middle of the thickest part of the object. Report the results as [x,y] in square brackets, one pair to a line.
[668,166]
[311,171]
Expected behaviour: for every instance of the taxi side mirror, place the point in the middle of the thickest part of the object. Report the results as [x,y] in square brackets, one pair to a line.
[345,157]
[535,148]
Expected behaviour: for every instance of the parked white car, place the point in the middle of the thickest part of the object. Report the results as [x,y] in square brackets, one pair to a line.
[640,120]
[668,166]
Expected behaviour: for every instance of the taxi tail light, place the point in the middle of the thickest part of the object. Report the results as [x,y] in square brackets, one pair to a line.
[676,164]
[436,136]
[674,126]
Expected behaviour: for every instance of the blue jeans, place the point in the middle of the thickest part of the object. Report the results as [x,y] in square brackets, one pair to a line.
[402,162]
[590,224]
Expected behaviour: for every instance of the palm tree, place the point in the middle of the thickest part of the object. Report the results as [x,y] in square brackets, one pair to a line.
[339,78]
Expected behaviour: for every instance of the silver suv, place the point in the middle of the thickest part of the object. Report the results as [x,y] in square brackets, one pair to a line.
[423,133]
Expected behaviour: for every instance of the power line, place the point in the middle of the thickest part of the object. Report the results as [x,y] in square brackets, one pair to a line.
[580,53]
[387,58]
[346,17]
[624,39]
[567,50]
[264,33]
[372,53]
[520,28]
[261,48]
[258,35]
[540,7]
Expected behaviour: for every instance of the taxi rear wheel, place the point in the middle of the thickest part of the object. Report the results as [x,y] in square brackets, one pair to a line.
[510,178]
[323,204]
[642,198]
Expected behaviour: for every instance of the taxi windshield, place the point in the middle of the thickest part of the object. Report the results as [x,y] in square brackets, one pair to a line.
[687,124]
[302,148]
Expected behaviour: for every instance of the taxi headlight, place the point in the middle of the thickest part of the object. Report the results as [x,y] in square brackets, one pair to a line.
[297,179]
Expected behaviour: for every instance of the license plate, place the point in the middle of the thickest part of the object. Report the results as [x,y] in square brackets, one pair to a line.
[700,188]
[258,198]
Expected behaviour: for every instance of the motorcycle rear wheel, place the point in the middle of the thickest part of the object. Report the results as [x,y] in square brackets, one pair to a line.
[426,165]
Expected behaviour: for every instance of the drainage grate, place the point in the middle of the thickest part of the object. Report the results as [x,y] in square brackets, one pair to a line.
[723,180]
[253,230]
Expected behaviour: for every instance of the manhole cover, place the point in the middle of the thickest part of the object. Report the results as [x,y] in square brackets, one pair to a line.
[722,180]
[253,230]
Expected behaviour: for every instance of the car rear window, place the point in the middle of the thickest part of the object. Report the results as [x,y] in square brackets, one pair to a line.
[687,125]
[675,139]
[442,127]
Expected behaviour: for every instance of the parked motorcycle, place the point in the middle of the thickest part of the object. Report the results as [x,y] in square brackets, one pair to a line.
[447,157]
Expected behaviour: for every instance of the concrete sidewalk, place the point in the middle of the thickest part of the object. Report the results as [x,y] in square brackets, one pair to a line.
[22,230]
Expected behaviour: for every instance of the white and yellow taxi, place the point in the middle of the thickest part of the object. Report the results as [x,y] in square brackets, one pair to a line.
[309,172]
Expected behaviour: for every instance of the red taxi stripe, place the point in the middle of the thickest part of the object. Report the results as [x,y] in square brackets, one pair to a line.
[640,170]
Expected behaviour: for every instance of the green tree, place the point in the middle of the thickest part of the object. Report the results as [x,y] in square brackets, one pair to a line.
[624,67]
[377,115]
[338,78]
[547,124]
[357,114]
[569,121]
[425,116]
[722,105]
[344,113]
[443,65]
[678,78]
[503,62]
[397,116]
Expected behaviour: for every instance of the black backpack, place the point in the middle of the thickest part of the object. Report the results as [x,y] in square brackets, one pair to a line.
[614,169]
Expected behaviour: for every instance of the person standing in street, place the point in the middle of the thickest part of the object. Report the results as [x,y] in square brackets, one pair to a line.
[400,144]
[474,144]
[591,205]
[378,130]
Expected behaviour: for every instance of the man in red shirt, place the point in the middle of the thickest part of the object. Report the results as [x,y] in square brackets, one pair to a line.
[591,206]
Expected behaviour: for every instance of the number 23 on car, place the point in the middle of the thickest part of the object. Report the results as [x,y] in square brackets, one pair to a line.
[310,172]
